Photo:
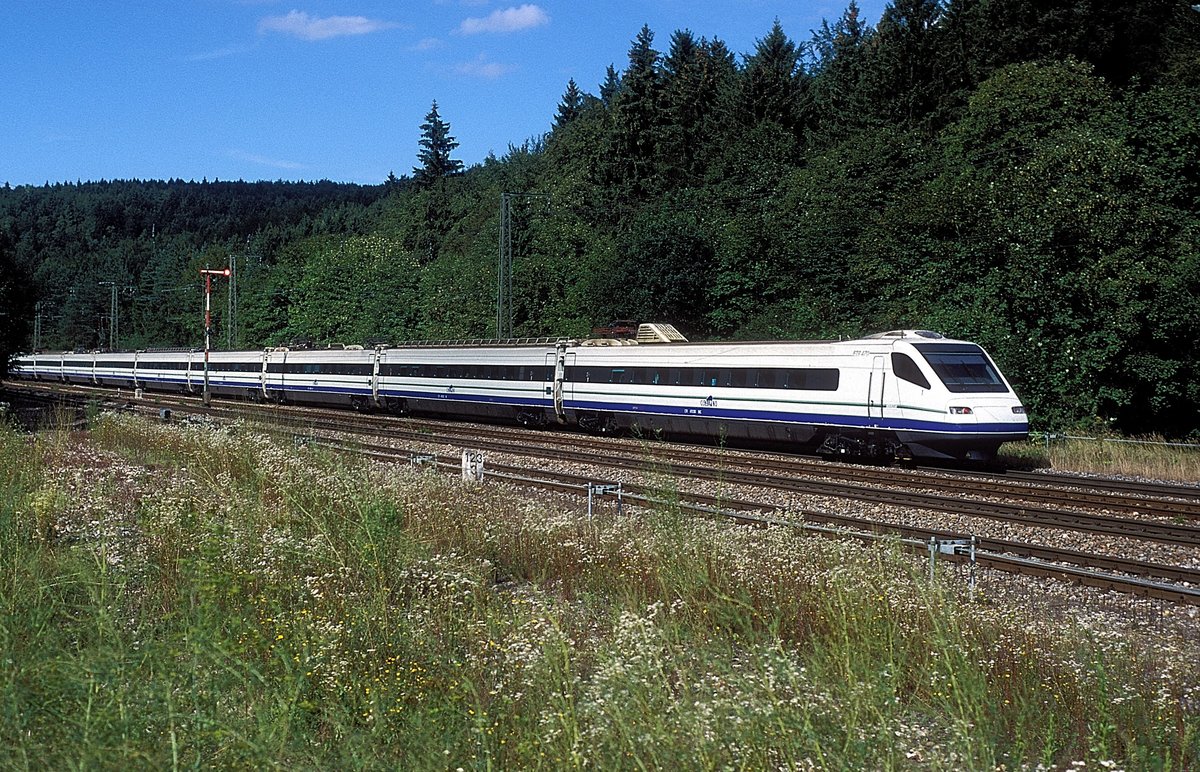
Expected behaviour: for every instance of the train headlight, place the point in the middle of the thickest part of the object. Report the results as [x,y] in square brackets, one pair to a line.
[960,410]
[1019,409]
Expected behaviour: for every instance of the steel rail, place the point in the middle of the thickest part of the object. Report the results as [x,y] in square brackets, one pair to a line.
[1141,577]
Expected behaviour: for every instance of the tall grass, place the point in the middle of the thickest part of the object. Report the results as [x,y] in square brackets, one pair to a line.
[1148,457]
[179,596]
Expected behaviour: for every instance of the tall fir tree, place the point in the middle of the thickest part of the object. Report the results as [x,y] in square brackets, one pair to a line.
[773,80]
[699,76]
[901,78]
[639,114]
[436,147]
[570,106]
[610,86]
[838,57]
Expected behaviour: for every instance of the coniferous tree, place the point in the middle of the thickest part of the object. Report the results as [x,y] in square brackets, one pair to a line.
[773,80]
[838,58]
[571,105]
[699,76]
[639,114]
[436,147]
[610,86]
[901,78]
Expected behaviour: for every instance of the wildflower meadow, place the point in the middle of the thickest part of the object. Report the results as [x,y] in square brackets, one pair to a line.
[183,596]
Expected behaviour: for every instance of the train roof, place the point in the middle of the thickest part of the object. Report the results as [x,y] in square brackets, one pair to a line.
[651,335]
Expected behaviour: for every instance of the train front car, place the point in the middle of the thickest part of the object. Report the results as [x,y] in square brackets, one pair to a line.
[26,367]
[951,401]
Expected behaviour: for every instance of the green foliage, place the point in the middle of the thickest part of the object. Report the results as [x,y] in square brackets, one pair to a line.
[1020,173]
[355,291]
[211,598]
[16,307]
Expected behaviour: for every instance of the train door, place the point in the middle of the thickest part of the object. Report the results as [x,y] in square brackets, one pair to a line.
[876,383]
[273,376]
[375,377]
[560,389]
[262,376]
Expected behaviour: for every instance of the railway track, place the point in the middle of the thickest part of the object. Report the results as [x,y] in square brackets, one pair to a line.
[1140,577]
[1176,501]
[781,479]
[859,483]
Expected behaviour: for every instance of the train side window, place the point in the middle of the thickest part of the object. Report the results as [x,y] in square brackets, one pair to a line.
[906,369]
[822,379]
[814,379]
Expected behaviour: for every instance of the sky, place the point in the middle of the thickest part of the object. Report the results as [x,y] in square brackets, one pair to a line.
[317,89]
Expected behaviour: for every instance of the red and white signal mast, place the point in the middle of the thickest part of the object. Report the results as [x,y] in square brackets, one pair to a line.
[208,273]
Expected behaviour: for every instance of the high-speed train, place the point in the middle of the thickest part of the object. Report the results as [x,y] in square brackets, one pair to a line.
[901,394]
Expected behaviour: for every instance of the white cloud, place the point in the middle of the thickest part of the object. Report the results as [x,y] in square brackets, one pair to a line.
[274,163]
[480,67]
[219,53]
[299,24]
[427,44]
[506,20]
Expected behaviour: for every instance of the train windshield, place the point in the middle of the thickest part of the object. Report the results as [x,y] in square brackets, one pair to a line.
[963,367]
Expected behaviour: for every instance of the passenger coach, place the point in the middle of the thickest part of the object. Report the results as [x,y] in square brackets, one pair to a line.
[899,394]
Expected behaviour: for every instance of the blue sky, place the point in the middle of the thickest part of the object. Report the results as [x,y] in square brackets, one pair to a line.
[316,89]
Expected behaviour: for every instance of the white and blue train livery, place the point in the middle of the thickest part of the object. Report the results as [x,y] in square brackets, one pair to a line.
[893,395]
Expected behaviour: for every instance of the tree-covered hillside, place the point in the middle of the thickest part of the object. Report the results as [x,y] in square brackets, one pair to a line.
[1025,174]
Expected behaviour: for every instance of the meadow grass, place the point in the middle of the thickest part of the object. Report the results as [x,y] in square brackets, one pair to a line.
[1146,457]
[186,596]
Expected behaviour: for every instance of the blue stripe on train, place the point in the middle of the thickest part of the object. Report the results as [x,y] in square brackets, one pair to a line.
[821,419]
[825,419]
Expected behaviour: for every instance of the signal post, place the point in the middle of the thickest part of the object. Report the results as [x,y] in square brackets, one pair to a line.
[208,273]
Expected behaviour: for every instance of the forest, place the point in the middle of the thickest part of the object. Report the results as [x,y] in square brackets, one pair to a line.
[1025,174]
